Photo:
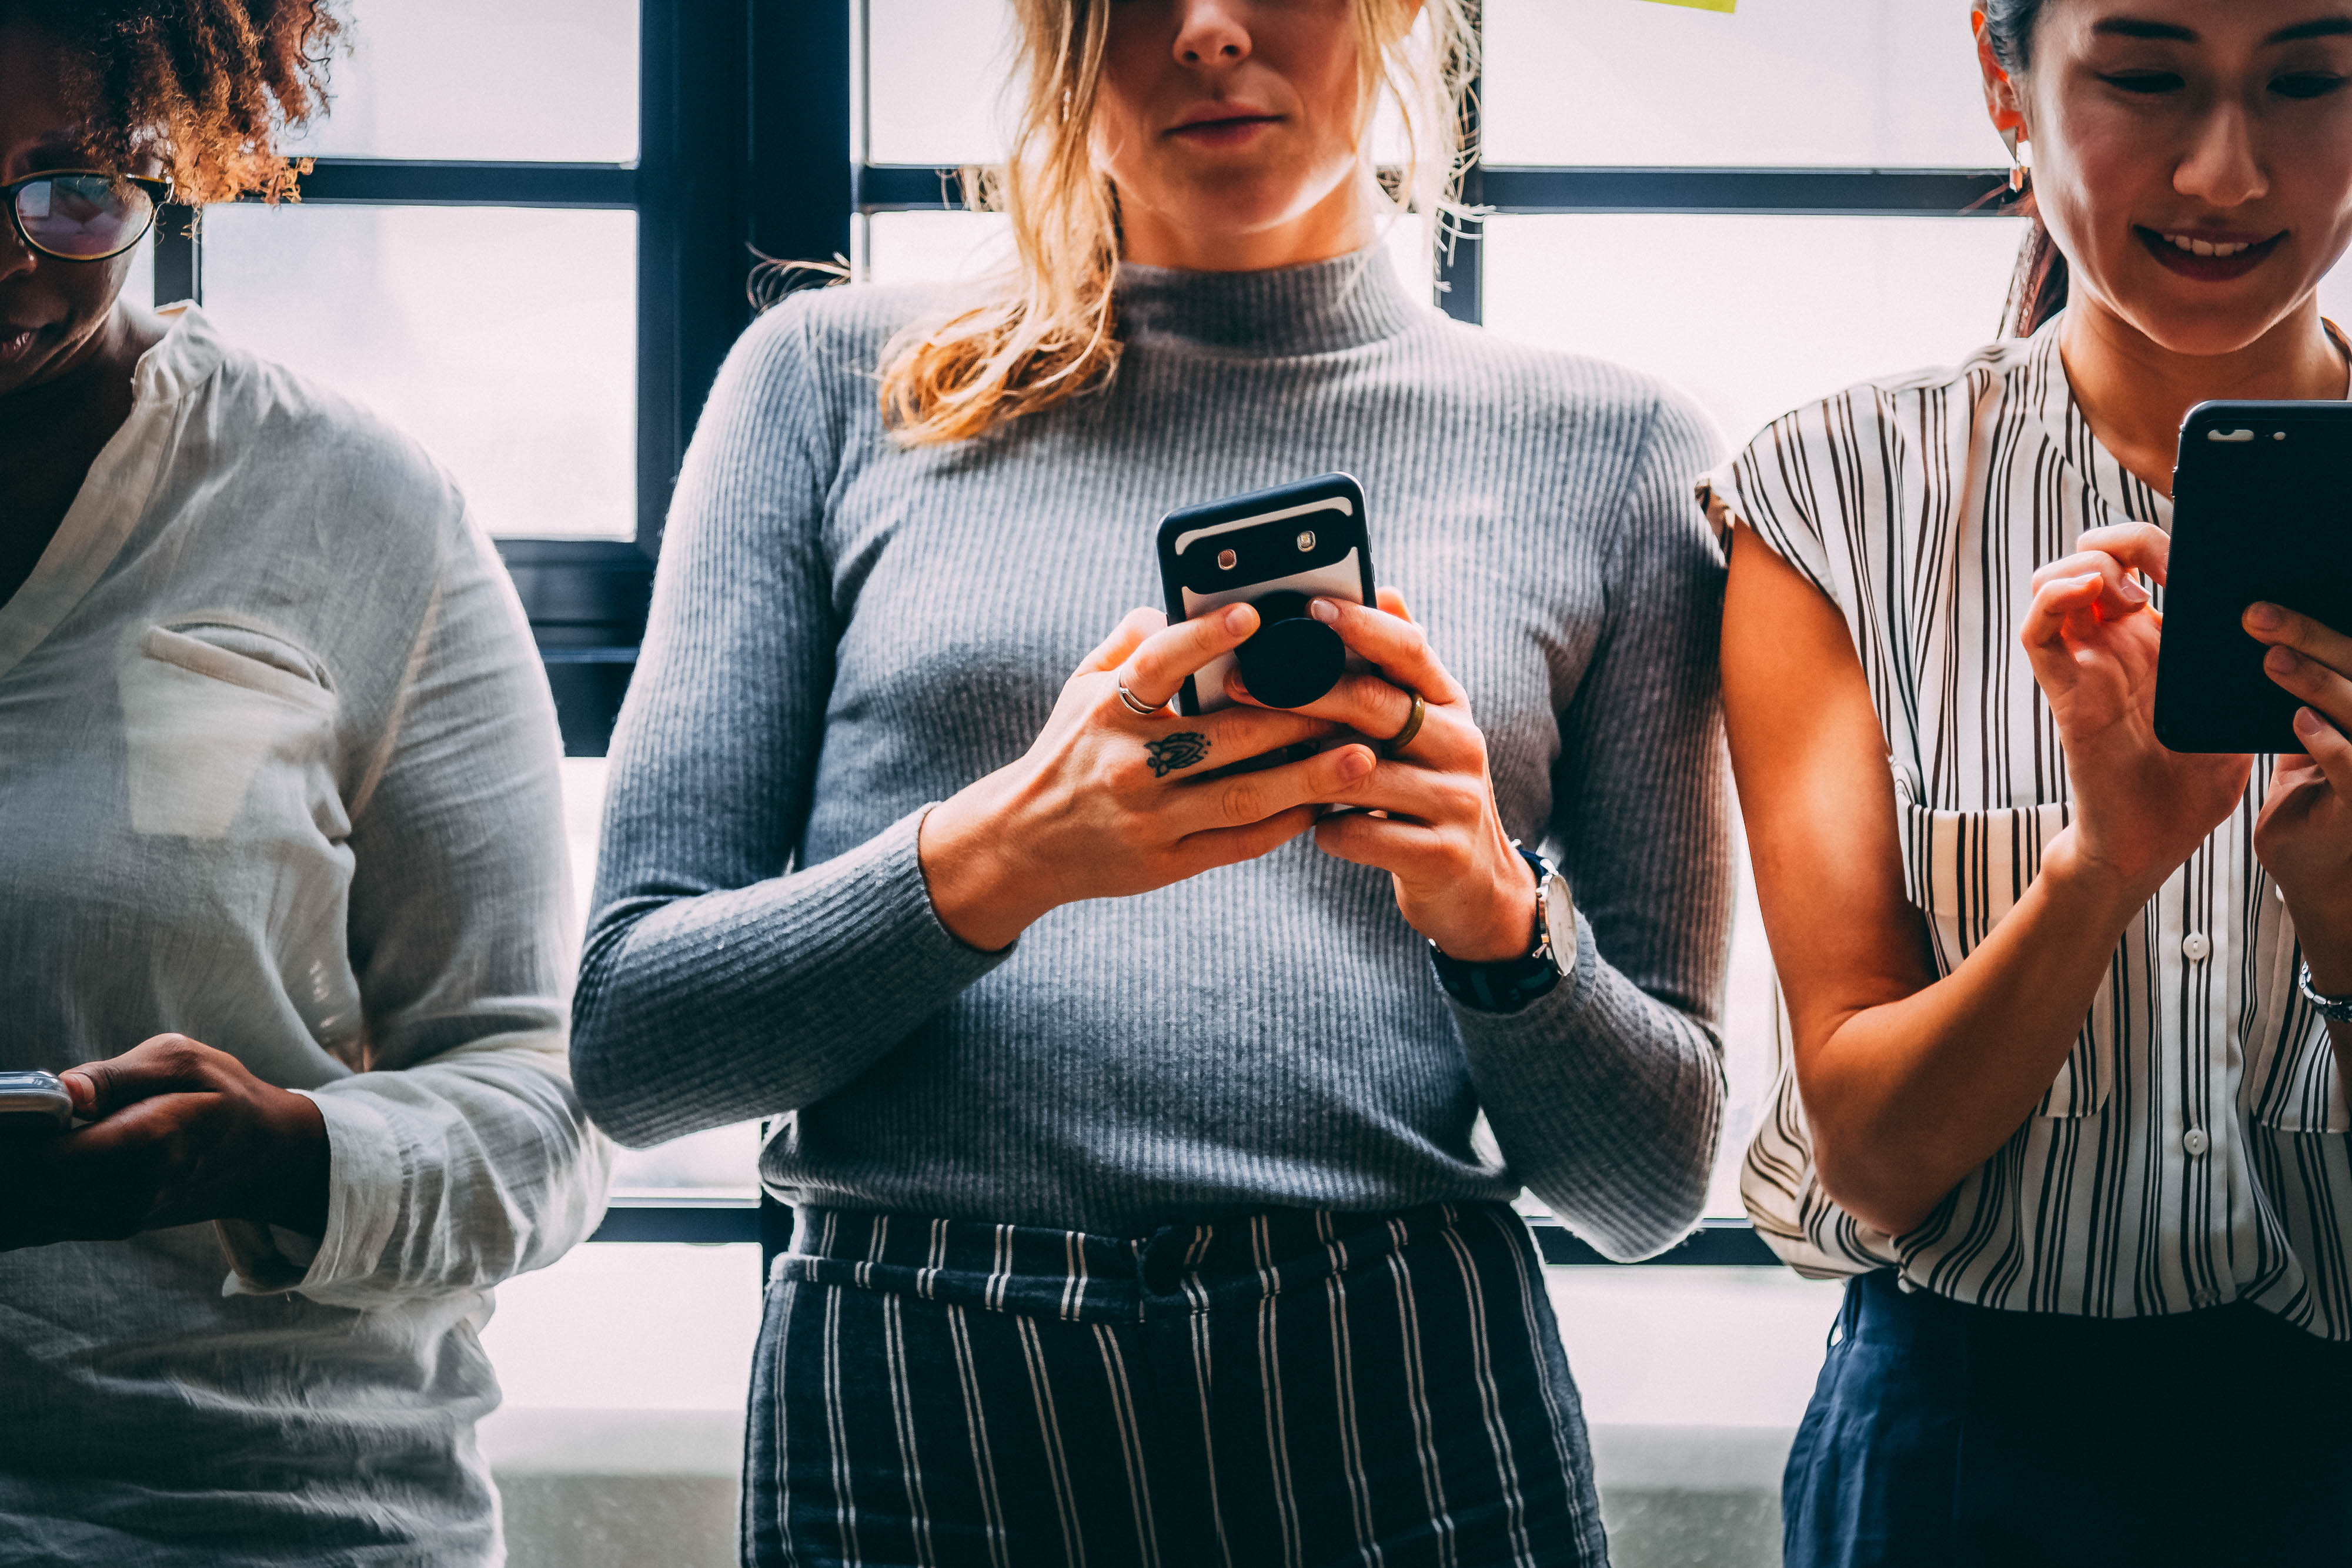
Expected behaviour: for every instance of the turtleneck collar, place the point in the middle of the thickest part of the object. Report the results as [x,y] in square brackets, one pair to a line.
[1322,307]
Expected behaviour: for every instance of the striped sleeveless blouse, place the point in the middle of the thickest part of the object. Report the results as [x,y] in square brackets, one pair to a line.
[2192,1150]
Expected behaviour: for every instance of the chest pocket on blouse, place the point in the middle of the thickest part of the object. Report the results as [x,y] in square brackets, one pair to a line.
[1966,871]
[207,708]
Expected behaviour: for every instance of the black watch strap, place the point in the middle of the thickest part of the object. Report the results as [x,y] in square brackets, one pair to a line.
[1506,987]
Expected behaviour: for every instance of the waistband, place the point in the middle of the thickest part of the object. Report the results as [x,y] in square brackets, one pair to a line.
[1081,1277]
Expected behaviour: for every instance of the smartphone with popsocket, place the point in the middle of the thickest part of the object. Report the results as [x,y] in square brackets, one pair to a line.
[1275,550]
[2261,510]
[33,1104]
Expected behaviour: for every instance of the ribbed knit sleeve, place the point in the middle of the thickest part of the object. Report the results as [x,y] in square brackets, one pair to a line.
[722,981]
[1606,1095]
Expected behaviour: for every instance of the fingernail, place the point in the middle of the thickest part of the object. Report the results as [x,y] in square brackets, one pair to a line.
[2265,617]
[84,1092]
[1355,762]
[2283,661]
[2307,723]
[1323,610]
[1238,618]
[2131,593]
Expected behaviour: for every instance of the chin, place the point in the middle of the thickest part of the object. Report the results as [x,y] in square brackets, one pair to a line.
[2212,331]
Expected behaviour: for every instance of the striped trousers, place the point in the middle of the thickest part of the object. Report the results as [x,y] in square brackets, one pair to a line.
[1292,1388]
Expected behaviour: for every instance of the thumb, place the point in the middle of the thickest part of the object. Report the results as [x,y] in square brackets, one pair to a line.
[169,1063]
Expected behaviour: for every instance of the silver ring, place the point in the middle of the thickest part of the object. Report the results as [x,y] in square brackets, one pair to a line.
[1134,703]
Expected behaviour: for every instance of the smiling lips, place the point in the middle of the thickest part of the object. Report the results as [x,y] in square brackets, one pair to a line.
[16,343]
[2209,258]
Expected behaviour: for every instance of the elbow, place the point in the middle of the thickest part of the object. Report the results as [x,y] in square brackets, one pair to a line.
[612,1097]
[1645,1209]
[619,1090]
[1889,1193]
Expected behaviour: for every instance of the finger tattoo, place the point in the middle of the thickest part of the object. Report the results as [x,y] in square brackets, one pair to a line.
[1182,749]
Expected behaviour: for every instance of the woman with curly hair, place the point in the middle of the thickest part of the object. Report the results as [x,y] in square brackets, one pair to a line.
[285,899]
[1132,1117]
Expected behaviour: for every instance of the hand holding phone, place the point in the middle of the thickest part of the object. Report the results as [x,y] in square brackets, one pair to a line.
[1274,550]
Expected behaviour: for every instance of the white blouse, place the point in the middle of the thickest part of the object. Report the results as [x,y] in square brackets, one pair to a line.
[279,771]
[2192,1150]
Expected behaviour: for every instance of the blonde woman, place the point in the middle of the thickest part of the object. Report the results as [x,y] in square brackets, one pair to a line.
[1131,1119]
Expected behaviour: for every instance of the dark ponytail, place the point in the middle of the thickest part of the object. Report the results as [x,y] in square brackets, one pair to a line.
[2037,291]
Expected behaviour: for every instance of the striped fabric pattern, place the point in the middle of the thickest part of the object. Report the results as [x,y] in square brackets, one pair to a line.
[1289,1388]
[2191,1149]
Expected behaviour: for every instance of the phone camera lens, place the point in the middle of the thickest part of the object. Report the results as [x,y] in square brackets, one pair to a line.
[1306,540]
[1227,560]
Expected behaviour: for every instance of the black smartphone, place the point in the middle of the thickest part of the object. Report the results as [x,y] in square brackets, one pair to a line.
[1275,550]
[2261,510]
[33,1104]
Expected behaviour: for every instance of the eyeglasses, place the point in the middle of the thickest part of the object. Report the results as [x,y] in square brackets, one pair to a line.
[83,214]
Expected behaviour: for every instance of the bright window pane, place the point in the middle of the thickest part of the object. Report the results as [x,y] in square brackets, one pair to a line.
[933,247]
[529,79]
[1852,82]
[1752,315]
[935,73]
[504,340]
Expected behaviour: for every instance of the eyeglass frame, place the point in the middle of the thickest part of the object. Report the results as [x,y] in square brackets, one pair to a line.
[158,195]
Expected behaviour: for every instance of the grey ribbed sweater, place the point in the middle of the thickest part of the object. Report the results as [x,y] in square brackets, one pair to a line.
[844,630]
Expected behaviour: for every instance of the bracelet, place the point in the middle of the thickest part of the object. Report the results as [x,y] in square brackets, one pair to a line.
[2334,1009]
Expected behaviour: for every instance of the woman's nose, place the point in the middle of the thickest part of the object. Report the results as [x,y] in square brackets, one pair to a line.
[1210,32]
[2221,167]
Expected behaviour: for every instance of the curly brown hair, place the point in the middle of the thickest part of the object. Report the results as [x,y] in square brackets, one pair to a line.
[207,86]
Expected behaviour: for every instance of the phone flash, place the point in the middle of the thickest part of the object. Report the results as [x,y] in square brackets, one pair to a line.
[1227,560]
[1306,540]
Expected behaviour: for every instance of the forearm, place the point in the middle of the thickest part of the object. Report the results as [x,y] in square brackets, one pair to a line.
[1607,1102]
[703,1011]
[451,1175]
[1906,1097]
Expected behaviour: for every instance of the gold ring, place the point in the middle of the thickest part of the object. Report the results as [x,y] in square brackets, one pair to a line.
[1394,745]
[1134,703]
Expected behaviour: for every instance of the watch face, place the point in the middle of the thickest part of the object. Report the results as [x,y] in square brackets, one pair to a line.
[1560,923]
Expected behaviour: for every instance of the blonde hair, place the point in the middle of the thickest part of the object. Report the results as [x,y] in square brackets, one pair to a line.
[1048,331]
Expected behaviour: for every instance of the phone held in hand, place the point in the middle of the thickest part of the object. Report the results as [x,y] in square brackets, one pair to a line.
[33,1104]
[1274,549]
[2262,511]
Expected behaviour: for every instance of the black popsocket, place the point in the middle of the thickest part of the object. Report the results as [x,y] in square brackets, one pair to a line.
[1293,659]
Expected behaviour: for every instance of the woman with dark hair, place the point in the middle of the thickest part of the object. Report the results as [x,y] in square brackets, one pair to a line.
[285,895]
[2064,1100]
[1131,1117]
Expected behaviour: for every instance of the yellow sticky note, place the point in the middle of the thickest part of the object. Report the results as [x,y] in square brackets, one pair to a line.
[1725,6]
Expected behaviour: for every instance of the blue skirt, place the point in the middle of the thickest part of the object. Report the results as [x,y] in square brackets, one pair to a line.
[1941,1435]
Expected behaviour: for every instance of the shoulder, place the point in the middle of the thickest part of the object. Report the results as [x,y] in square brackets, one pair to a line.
[288,444]
[1802,466]
[1612,424]
[1893,401]
[839,332]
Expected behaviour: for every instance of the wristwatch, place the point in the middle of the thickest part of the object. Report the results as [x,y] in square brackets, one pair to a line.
[2334,1009]
[1508,985]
